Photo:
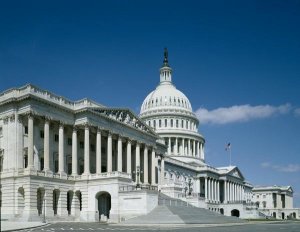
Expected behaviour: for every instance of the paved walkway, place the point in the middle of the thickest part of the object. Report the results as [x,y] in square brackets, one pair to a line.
[13,226]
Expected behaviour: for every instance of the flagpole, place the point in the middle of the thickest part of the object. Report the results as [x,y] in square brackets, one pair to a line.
[230,156]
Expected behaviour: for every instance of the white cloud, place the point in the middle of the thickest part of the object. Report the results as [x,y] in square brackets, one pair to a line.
[239,113]
[287,168]
[297,112]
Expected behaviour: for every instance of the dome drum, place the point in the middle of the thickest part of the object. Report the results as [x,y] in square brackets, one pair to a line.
[169,112]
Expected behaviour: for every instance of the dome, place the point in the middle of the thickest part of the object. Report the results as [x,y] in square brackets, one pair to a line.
[166,96]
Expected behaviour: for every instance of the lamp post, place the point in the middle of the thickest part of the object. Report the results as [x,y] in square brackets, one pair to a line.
[190,184]
[137,174]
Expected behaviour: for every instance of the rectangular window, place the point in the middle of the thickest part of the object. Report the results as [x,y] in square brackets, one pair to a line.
[1,131]
[176,123]
[171,122]
[56,137]
[166,122]
[159,123]
[69,141]
[42,134]
[81,144]
[26,130]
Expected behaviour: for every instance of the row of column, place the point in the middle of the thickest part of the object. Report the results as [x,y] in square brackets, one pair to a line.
[61,165]
[212,189]
[184,146]
[233,191]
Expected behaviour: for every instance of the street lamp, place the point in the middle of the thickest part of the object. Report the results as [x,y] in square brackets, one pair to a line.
[190,184]
[137,173]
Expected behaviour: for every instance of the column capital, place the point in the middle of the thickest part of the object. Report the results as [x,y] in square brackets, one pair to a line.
[47,119]
[99,129]
[62,124]
[120,137]
[87,125]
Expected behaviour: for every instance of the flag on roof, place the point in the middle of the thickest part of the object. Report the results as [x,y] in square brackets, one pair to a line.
[227,147]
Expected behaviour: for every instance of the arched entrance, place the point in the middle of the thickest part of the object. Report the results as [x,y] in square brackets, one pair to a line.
[104,205]
[222,211]
[69,201]
[294,215]
[274,215]
[282,215]
[235,213]
[56,193]
[21,200]
[40,200]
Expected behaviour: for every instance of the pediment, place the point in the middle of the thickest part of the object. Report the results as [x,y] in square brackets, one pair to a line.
[125,116]
[236,173]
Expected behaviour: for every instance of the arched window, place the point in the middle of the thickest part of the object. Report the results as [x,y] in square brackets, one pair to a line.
[171,122]
[159,123]
[166,122]
[176,123]
[154,123]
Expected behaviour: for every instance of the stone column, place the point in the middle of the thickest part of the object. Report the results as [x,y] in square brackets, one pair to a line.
[189,148]
[198,185]
[119,154]
[162,175]
[137,160]
[198,149]
[46,146]
[215,189]
[109,152]
[30,142]
[194,148]
[169,146]
[61,151]
[218,191]
[98,151]
[201,151]
[176,146]
[225,191]
[230,191]
[129,156]
[86,150]
[209,189]
[146,179]
[74,152]
[206,186]
[153,165]
[182,146]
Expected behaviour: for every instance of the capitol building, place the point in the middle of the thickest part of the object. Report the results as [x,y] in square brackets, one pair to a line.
[83,161]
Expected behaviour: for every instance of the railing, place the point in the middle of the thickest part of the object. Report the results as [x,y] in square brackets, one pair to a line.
[173,202]
[129,188]
[33,172]
[30,89]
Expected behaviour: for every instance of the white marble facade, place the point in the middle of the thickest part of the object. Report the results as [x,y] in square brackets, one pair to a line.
[71,159]
[275,201]
[82,161]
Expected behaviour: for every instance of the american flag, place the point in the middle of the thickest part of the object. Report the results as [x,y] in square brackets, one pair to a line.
[227,147]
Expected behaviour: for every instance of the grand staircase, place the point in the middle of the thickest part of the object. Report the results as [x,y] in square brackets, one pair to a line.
[175,211]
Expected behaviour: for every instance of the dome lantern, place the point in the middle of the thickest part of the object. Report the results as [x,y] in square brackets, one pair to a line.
[165,70]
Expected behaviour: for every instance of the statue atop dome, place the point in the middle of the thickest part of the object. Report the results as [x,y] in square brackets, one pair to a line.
[166,63]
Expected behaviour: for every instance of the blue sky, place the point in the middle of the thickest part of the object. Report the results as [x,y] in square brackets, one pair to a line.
[237,61]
